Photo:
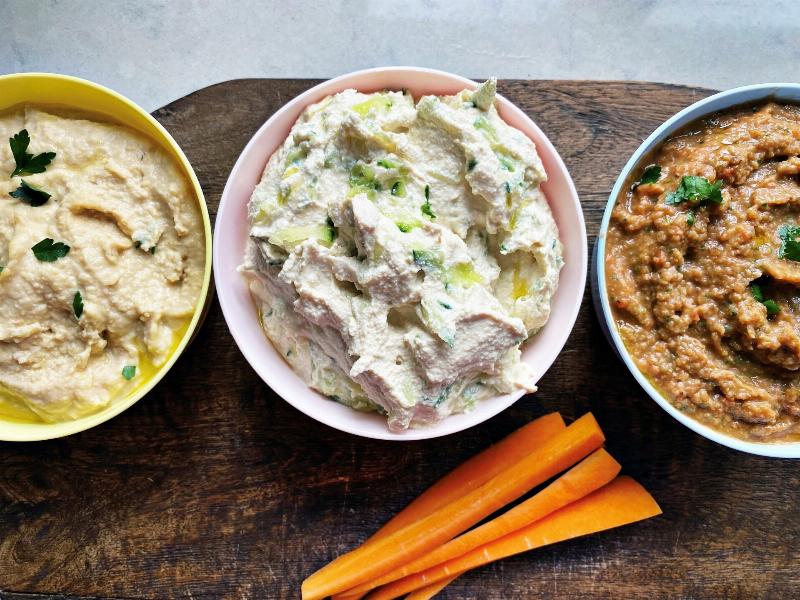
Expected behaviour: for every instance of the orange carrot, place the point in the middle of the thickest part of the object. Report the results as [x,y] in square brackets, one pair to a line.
[431,590]
[378,557]
[621,502]
[591,474]
[476,471]
[473,473]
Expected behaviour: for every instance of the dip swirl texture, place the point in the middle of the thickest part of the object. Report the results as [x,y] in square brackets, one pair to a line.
[136,258]
[400,253]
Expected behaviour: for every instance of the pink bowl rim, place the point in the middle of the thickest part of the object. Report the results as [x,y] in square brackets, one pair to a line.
[558,329]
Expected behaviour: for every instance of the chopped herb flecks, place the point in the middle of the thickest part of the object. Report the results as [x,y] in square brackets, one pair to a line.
[426,207]
[77,304]
[426,259]
[387,164]
[128,372]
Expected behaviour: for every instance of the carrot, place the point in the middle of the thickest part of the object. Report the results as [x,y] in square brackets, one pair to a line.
[431,590]
[620,502]
[591,474]
[469,475]
[378,557]
[476,471]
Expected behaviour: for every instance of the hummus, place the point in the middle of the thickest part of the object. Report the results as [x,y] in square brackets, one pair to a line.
[87,327]
[400,253]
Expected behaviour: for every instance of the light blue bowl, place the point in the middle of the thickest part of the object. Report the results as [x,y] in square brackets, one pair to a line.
[787,92]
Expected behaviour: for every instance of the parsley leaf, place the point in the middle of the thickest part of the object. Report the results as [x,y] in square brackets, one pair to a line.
[48,251]
[772,307]
[77,304]
[690,218]
[31,194]
[790,246]
[758,295]
[471,164]
[27,164]
[650,175]
[128,372]
[1,268]
[697,191]
[426,208]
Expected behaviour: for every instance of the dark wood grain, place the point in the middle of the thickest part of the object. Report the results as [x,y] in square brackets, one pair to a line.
[214,487]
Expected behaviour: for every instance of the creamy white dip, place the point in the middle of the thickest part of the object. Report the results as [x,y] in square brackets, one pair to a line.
[136,257]
[400,253]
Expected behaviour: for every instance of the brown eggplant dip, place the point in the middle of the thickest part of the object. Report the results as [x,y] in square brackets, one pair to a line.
[703,271]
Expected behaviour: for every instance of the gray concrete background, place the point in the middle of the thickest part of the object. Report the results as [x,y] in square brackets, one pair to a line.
[155,51]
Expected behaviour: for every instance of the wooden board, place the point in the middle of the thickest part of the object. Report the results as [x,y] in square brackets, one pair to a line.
[213,487]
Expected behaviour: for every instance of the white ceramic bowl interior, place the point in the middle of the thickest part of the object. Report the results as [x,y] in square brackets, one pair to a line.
[231,233]
[788,92]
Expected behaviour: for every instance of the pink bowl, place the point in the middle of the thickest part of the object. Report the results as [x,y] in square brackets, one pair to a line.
[231,233]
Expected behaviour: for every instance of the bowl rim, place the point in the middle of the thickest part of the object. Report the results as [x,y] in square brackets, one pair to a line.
[730,98]
[224,295]
[32,432]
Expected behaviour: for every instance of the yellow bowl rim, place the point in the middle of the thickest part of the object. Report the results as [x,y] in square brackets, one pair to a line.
[45,431]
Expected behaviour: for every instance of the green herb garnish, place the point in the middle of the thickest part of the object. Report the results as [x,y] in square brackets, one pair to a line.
[471,164]
[772,307]
[30,193]
[790,246]
[505,163]
[387,164]
[650,175]
[690,218]
[26,163]
[362,178]
[697,191]
[758,295]
[426,207]
[331,233]
[49,251]
[426,259]
[77,304]
[399,189]
[404,227]
[128,372]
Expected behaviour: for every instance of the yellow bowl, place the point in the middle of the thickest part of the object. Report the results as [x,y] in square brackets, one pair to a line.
[72,93]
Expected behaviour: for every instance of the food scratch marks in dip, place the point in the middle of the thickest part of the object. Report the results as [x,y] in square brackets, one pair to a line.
[703,275]
[400,253]
[81,294]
